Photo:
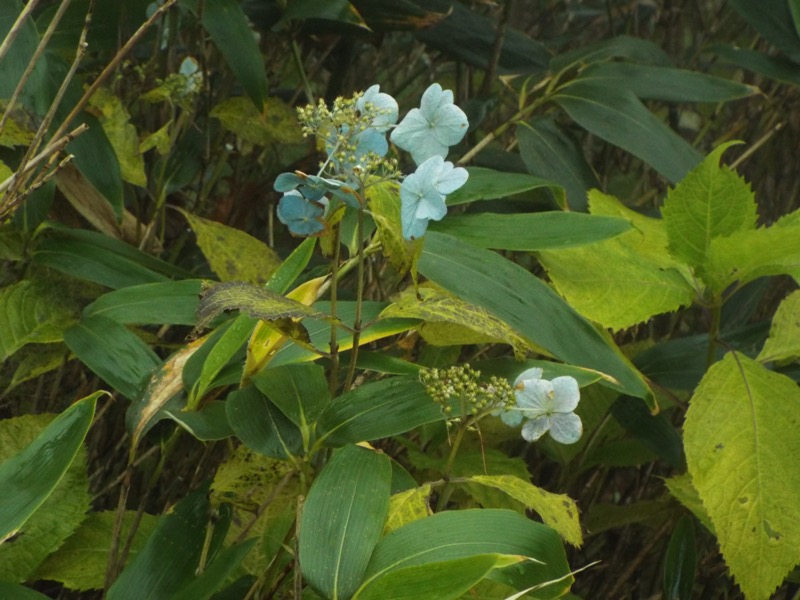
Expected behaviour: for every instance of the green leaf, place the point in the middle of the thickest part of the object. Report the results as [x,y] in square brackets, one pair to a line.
[621,281]
[783,342]
[377,410]
[170,302]
[775,67]
[654,431]
[681,562]
[115,354]
[219,349]
[208,423]
[556,510]
[514,295]
[742,450]
[773,20]
[28,477]
[531,232]
[257,302]
[38,360]
[384,206]
[260,425]
[276,123]
[747,255]
[454,535]
[213,577]
[340,11]
[622,46]
[488,184]
[441,580]
[12,591]
[81,563]
[300,391]
[618,116]
[432,306]
[343,519]
[711,202]
[229,29]
[31,312]
[407,506]
[650,82]
[681,487]
[291,268]
[549,152]
[233,254]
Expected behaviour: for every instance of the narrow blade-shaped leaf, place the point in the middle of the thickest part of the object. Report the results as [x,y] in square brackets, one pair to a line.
[170,302]
[300,391]
[343,519]
[488,184]
[680,564]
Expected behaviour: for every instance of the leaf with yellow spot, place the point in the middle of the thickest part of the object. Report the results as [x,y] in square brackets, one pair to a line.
[407,506]
[277,123]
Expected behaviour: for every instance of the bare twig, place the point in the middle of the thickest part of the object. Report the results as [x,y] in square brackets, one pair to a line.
[16,28]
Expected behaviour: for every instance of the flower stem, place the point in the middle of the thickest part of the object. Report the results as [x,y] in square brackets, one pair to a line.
[333,378]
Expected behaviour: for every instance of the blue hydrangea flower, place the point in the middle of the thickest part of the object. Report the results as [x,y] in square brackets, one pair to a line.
[384,104]
[433,127]
[422,194]
[314,188]
[302,217]
[547,406]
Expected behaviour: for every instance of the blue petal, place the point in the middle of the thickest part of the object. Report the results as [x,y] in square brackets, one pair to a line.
[299,215]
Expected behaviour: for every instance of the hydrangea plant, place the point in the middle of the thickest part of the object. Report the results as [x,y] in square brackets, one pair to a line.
[353,133]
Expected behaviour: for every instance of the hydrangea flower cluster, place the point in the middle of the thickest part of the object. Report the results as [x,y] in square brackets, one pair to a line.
[462,383]
[545,406]
[353,134]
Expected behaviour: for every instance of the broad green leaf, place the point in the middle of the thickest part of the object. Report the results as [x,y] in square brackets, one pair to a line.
[214,576]
[170,302]
[340,11]
[783,342]
[621,281]
[654,431]
[432,306]
[651,82]
[618,116]
[683,490]
[169,560]
[13,591]
[231,33]
[342,520]
[488,184]
[622,46]
[31,312]
[441,580]
[742,449]
[122,135]
[376,410]
[511,293]
[549,152]
[774,20]
[114,353]
[407,506]
[81,563]
[453,535]
[710,202]
[233,254]
[276,123]
[208,423]
[300,391]
[257,302]
[218,351]
[603,516]
[531,232]
[260,425]
[747,255]
[681,562]
[29,476]
[263,492]
[291,268]
[775,67]
[38,360]
[556,510]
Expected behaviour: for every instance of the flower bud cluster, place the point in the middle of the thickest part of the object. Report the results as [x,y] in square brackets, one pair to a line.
[462,385]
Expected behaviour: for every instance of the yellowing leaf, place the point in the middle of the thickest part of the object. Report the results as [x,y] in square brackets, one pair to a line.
[158,140]
[407,506]
[783,342]
[556,510]
[434,306]
[115,120]
[384,205]
[277,123]
[742,450]
[233,254]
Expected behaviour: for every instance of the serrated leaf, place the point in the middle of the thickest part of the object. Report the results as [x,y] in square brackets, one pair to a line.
[31,312]
[233,254]
[275,124]
[432,306]
[556,510]
[81,563]
[783,342]
[748,255]
[682,489]
[41,456]
[742,450]
[624,280]
[711,201]
[115,119]
[407,506]
[343,519]
[257,302]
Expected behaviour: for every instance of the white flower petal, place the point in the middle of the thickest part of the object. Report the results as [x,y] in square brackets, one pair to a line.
[535,428]
[537,394]
[566,428]
[511,417]
[451,180]
[567,394]
[533,373]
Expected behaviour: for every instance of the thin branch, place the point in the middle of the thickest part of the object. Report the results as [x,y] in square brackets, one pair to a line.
[16,28]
